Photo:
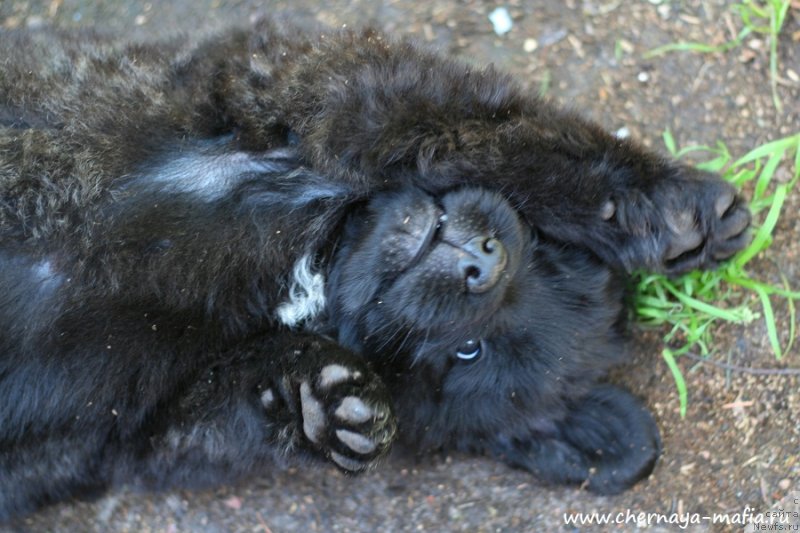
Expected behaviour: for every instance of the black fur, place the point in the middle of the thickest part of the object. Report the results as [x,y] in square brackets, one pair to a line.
[156,199]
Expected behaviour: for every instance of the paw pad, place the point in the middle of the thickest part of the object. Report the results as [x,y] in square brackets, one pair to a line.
[706,223]
[347,416]
[355,441]
[354,410]
[333,374]
[314,420]
[687,235]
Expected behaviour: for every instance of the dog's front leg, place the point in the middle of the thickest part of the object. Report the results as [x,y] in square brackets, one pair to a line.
[273,399]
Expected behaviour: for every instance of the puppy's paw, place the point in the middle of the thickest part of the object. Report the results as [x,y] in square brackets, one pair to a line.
[607,443]
[614,436]
[690,220]
[346,415]
[707,225]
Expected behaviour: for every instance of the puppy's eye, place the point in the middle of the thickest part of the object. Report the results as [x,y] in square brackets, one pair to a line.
[470,350]
[440,224]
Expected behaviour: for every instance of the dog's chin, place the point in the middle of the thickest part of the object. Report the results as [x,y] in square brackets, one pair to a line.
[419,261]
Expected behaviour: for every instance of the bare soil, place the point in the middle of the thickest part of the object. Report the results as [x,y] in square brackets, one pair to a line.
[739,445]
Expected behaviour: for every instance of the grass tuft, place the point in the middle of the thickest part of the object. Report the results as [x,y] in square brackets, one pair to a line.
[693,305]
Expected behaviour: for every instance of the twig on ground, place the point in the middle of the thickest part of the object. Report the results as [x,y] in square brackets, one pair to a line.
[744,369]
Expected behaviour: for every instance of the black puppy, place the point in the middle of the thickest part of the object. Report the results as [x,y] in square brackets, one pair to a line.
[264,246]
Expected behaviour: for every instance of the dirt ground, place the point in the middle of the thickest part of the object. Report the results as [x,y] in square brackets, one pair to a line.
[739,445]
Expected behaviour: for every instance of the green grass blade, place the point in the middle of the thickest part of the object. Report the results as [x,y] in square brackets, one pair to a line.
[781,18]
[792,314]
[767,173]
[669,142]
[703,307]
[694,148]
[773,71]
[765,150]
[714,165]
[796,162]
[684,46]
[742,176]
[677,375]
[769,289]
[777,16]
[769,319]
[654,302]
[763,236]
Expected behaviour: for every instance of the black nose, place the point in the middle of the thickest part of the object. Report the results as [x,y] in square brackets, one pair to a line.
[482,263]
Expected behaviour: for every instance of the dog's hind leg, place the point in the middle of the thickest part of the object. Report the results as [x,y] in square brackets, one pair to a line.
[606,443]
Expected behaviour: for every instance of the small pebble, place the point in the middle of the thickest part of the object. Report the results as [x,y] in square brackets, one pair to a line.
[755,44]
[501,20]
[34,22]
[234,502]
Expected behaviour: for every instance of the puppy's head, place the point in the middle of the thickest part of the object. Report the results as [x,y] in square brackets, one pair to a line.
[474,322]
[412,261]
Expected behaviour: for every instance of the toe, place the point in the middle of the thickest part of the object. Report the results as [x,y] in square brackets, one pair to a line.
[735,223]
[356,441]
[348,463]
[335,374]
[684,242]
[313,414]
[354,411]
[724,201]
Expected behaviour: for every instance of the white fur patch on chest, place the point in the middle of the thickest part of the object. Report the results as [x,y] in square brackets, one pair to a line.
[306,295]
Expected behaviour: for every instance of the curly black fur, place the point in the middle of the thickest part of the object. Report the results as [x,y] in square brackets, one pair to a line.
[265,246]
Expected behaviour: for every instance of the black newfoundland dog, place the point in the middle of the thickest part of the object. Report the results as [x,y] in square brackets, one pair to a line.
[263,247]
